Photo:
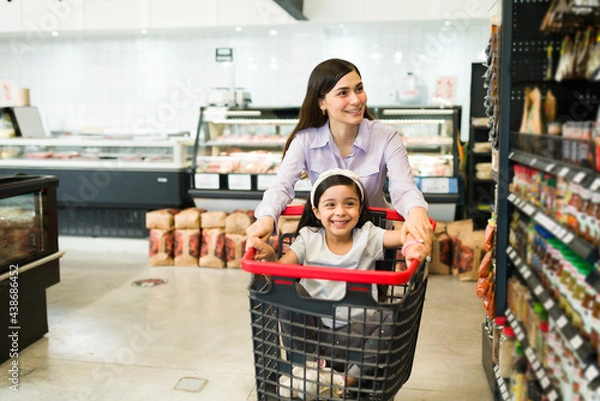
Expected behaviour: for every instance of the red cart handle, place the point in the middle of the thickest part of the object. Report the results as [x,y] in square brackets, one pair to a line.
[327,273]
[330,273]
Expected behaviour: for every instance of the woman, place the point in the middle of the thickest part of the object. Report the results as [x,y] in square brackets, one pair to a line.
[335,130]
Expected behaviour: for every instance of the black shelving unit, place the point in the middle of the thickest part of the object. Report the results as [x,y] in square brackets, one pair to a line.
[479,191]
[523,64]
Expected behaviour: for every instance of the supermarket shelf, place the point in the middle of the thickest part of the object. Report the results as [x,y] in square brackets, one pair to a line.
[583,248]
[581,347]
[502,386]
[579,175]
[540,373]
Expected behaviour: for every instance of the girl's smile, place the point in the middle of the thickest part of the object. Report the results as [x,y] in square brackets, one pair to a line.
[339,210]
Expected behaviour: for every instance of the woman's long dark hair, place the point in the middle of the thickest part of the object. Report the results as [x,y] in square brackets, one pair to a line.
[321,81]
[308,218]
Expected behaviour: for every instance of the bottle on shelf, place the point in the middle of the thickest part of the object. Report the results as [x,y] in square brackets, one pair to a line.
[506,352]
[499,323]
[518,375]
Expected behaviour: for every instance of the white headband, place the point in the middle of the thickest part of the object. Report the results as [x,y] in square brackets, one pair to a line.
[336,171]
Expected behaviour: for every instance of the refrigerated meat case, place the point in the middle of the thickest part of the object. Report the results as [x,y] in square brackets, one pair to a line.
[108,183]
[238,152]
[29,258]
[528,57]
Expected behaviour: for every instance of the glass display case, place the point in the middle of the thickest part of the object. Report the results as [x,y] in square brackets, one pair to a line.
[29,257]
[238,151]
[98,152]
[107,184]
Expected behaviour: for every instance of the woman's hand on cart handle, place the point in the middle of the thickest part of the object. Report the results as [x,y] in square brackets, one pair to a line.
[262,228]
[261,250]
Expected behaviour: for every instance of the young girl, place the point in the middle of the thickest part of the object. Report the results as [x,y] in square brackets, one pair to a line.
[335,231]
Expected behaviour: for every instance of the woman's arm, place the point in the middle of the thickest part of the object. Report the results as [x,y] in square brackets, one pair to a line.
[406,197]
[280,193]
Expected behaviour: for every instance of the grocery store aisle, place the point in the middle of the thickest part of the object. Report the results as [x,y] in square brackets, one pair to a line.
[189,339]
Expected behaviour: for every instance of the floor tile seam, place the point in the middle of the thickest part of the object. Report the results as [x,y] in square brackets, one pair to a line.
[90,362]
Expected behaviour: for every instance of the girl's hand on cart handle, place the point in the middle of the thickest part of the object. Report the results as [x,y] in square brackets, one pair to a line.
[418,226]
[415,250]
[263,251]
[262,228]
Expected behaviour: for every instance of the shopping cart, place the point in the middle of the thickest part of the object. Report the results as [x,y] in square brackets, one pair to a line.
[294,363]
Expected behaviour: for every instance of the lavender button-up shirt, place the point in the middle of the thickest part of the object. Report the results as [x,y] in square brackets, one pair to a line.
[377,151]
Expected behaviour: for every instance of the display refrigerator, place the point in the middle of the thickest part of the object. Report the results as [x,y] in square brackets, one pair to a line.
[238,152]
[29,259]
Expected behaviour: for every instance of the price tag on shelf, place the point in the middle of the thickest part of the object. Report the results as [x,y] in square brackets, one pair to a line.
[562,322]
[576,342]
[264,181]
[579,177]
[536,364]
[435,185]
[595,184]
[206,181]
[538,290]
[549,304]
[528,209]
[549,167]
[545,382]
[533,162]
[526,273]
[568,238]
[553,396]
[519,333]
[530,353]
[546,222]
[239,182]
[563,171]
[591,373]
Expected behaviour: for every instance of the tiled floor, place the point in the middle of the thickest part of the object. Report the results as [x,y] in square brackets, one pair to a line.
[189,339]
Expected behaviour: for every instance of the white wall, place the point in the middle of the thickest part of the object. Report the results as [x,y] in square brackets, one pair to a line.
[134,82]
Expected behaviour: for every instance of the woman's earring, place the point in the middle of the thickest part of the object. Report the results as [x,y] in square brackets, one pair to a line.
[324,111]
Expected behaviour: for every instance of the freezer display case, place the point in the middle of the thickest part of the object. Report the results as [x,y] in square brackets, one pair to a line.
[29,258]
[107,184]
[238,152]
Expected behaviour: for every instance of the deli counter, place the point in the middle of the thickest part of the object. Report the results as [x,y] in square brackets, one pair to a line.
[238,152]
[107,184]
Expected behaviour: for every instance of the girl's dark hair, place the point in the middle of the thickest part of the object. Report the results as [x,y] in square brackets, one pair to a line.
[308,218]
[321,81]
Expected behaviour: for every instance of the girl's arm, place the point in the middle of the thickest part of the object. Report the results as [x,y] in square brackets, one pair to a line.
[414,249]
[266,252]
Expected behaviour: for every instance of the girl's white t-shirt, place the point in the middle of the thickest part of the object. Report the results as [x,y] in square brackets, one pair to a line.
[311,249]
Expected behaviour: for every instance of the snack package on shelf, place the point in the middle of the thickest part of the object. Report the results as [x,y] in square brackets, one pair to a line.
[237,222]
[162,218]
[235,246]
[213,219]
[189,218]
[212,251]
[187,246]
[161,247]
